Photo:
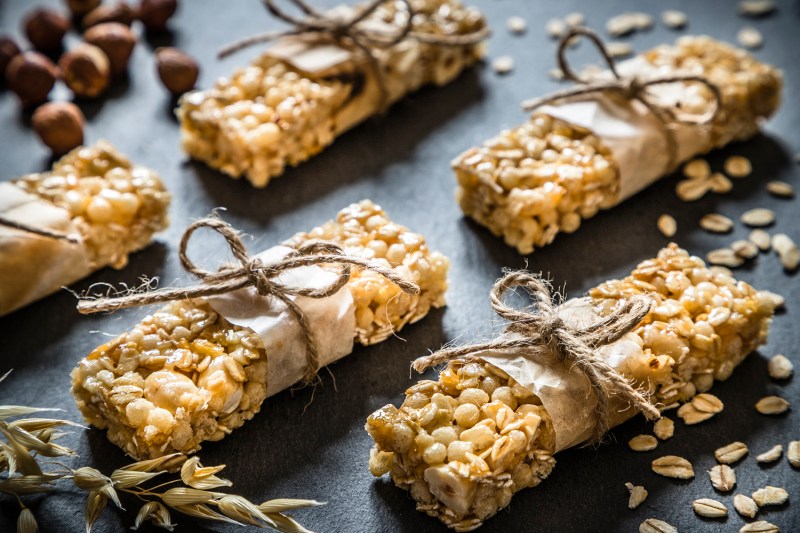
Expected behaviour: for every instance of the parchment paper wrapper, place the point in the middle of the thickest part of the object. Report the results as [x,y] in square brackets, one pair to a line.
[32,266]
[631,131]
[332,321]
[566,392]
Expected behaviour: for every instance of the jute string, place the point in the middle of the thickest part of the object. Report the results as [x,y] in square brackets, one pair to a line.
[350,33]
[630,88]
[252,272]
[42,232]
[540,331]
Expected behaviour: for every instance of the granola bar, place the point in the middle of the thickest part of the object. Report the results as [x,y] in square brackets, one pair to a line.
[545,176]
[185,374]
[111,205]
[281,109]
[464,444]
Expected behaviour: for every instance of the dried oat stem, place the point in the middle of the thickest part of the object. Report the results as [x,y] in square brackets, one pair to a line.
[541,331]
[253,273]
[21,473]
[631,88]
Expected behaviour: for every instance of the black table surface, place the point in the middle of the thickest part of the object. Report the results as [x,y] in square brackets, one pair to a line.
[401,161]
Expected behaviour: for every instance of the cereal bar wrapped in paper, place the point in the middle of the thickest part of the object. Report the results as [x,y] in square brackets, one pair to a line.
[560,376]
[203,364]
[595,145]
[90,211]
[327,74]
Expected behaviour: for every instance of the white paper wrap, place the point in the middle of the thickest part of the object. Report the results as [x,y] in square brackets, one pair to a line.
[634,135]
[332,321]
[32,266]
[565,392]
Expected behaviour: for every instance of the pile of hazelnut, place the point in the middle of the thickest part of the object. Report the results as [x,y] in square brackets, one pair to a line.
[89,68]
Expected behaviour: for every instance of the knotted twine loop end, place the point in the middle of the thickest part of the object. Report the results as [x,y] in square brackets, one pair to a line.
[630,88]
[539,325]
[251,272]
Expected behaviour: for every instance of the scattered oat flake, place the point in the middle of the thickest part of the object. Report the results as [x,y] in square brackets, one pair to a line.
[716,223]
[697,169]
[745,505]
[517,25]
[620,25]
[779,367]
[744,249]
[692,189]
[749,37]
[555,28]
[673,466]
[654,525]
[709,508]
[772,405]
[503,64]
[737,166]
[793,453]
[574,20]
[619,49]
[643,443]
[758,217]
[762,526]
[556,74]
[731,453]
[756,8]
[771,455]
[723,478]
[664,428]
[780,189]
[667,225]
[672,18]
[787,251]
[770,496]
[720,183]
[638,495]
[707,403]
[760,238]
[691,415]
[724,257]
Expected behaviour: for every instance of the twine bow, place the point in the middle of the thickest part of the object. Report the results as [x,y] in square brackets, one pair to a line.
[630,88]
[352,33]
[540,326]
[252,272]
[42,232]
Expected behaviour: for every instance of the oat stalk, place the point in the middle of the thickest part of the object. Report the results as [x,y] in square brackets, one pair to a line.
[24,441]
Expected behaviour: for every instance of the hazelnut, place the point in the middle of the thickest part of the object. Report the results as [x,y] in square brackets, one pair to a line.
[31,76]
[8,51]
[120,12]
[116,40]
[85,70]
[45,29]
[154,14]
[59,125]
[177,70]
[80,7]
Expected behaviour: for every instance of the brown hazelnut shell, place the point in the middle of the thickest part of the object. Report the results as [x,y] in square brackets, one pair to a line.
[116,40]
[80,7]
[120,12]
[8,51]
[31,76]
[45,29]
[59,125]
[177,70]
[155,14]
[86,70]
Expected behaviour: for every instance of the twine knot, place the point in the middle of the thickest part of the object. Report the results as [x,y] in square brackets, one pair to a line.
[252,272]
[539,326]
[351,32]
[630,88]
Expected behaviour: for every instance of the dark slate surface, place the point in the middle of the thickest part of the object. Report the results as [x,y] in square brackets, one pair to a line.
[401,161]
